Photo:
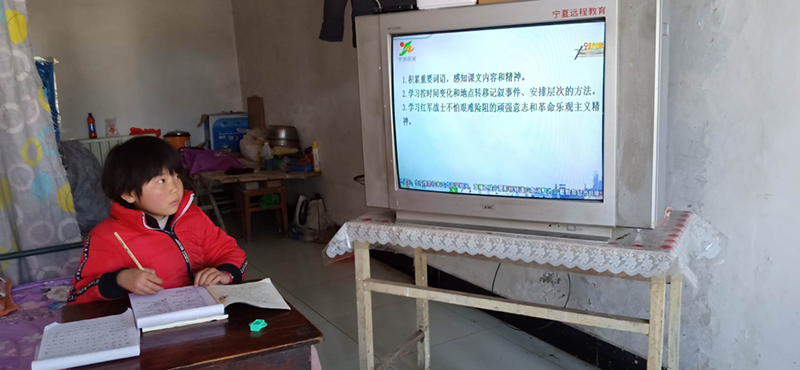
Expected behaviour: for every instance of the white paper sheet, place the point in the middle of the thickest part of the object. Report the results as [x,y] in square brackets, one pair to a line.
[261,294]
[87,342]
[174,305]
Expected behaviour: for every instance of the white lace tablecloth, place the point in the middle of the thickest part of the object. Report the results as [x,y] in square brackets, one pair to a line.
[679,237]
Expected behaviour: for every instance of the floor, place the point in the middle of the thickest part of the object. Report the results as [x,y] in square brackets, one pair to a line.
[462,338]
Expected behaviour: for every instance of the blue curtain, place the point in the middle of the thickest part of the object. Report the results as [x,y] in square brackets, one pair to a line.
[48,76]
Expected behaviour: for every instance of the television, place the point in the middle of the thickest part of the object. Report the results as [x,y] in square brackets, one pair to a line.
[542,116]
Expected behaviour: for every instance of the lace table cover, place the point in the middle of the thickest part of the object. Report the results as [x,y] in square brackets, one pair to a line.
[680,236]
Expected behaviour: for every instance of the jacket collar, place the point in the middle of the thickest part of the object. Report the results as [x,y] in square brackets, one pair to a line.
[137,219]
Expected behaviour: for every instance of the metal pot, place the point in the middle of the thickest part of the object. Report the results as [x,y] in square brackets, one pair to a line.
[178,139]
[283,136]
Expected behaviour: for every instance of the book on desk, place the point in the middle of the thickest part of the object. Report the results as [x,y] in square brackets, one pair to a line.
[87,342]
[116,337]
[191,305]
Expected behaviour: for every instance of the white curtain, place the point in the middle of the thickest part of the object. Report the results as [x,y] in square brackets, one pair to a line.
[36,208]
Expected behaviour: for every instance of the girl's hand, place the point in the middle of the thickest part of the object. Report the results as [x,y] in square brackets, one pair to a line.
[140,282]
[211,276]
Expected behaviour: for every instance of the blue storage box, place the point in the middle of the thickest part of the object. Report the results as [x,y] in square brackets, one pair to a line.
[224,131]
[301,167]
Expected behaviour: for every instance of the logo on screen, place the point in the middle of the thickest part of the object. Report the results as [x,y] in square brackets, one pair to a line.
[590,49]
[407,48]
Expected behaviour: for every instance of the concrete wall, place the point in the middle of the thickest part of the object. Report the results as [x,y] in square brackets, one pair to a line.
[733,117]
[307,83]
[733,123]
[150,63]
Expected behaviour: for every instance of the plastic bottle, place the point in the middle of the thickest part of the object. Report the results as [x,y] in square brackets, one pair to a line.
[315,154]
[92,127]
[267,158]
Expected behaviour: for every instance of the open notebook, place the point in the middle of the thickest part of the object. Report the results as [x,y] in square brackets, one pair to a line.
[87,342]
[189,305]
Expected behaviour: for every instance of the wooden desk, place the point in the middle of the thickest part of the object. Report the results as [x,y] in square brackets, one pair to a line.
[284,344]
[269,182]
[219,177]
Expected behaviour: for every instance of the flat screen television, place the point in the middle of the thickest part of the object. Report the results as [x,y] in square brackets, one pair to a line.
[537,115]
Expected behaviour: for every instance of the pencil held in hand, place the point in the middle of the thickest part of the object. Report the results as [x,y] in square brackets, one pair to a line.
[141,282]
[139,265]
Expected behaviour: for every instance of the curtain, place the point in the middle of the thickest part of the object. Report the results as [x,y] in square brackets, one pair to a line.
[48,76]
[36,208]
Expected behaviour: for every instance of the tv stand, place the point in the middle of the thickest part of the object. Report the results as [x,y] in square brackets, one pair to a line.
[600,233]
[659,256]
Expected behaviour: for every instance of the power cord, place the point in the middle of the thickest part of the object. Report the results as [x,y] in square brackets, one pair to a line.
[545,326]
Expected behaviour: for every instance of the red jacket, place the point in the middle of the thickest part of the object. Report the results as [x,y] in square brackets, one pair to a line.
[189,243]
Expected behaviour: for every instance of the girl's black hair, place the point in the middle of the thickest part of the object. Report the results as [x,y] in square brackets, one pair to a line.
[133,163]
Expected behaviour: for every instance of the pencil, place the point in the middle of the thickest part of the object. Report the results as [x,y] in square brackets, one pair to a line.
[579,53]
[129,251]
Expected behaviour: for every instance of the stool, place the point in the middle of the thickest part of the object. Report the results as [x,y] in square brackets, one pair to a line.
[243,199]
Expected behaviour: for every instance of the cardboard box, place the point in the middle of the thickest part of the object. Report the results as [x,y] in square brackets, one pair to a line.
[224,131]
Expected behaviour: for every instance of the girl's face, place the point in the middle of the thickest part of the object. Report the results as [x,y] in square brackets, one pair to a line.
[160,197]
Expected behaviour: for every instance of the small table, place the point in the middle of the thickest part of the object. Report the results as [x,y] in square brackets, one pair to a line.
[659,256]
[268,182]
[284,344]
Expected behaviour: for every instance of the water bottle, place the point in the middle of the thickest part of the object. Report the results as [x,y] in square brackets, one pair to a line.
[92,127]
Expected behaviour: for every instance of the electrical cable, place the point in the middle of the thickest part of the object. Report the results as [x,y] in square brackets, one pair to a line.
[360,179]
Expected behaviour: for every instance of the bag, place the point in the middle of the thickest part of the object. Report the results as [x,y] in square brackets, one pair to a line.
[311,221]
[250,149]
[316,216]
[199,160]
[269,201]
[252,143]
[111,127]
[7,306]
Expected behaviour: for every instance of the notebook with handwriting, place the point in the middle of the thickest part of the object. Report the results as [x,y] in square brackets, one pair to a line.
[87,342]
[189,305]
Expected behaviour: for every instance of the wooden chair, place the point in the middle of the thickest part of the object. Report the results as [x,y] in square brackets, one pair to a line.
[204,197]
[246,208]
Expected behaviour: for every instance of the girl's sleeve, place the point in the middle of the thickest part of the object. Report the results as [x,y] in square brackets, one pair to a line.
[222,251]
[96,278]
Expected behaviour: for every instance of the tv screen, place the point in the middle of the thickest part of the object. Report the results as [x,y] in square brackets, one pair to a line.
[510,112]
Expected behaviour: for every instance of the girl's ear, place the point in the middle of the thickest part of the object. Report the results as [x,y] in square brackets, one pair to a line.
[129,197]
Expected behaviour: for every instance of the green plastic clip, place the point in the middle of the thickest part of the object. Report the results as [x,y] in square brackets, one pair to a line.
[258,325]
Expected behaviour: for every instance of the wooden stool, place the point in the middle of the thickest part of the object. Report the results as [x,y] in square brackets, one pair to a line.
[243,199]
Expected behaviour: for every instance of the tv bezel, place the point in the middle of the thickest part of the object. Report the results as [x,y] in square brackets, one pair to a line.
[641,49]
[595,213]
